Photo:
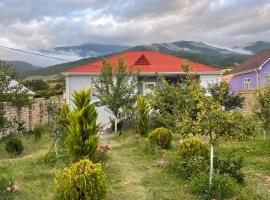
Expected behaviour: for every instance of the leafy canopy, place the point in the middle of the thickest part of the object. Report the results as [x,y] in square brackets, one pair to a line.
[116,88]
[174,105]
[262,108]
[221,92]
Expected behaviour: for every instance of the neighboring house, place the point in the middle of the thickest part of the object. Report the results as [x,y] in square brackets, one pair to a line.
[254,73]
[15,84]
[151,64]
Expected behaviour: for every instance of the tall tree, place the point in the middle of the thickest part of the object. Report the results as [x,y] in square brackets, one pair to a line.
[262,109]
[116,88]
[82,139]
[228,99]
[214,122]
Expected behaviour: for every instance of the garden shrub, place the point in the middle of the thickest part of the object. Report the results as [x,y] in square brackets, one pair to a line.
[194,157]
[230,164]
[244,126]
[161,137]
[142,121]
[38,131]
[194,166]
[3,185]
[193,147]
[82,180]
[14,145]
[223,187]
[82,140]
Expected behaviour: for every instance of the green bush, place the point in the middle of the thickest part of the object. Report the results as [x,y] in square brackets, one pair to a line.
[38,131]
[3,185]
[161,137]
[193,147]
[194,157]
[223,187]
[142,121]
[194,166]
[82,140]
[14,145]
[230,164]
[82,180]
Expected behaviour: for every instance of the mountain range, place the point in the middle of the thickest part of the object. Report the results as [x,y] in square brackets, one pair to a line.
[20,66]
[212,55]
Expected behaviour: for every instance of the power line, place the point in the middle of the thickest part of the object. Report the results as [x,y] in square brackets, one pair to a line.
[42,55]
[36,54]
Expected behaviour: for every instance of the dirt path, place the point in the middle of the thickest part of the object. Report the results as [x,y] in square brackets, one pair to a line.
[128,172]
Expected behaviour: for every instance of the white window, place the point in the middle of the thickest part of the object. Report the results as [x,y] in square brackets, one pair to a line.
[247,83]
[148,87]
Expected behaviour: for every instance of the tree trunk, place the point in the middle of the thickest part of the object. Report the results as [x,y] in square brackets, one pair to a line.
[115,126]
[55,147]
[264,135]
[211,164]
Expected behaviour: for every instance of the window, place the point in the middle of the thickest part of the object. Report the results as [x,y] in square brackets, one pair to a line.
[247,83]
[148,87]
[266,81]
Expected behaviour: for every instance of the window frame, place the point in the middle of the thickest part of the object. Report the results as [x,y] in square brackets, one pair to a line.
[145,85]
[247,83]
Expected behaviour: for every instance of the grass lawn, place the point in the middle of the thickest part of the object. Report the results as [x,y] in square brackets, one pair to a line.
[35,178]
[132,171]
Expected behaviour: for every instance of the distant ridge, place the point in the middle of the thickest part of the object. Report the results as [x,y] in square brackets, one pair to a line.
[21,66]
[194,51]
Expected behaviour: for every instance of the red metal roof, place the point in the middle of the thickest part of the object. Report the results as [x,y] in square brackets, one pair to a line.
[147,62]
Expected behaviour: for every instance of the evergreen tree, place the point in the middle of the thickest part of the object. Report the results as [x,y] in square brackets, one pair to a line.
[142,121]
[82,139]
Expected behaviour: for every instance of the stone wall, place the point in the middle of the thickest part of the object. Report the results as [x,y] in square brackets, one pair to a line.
[31,116]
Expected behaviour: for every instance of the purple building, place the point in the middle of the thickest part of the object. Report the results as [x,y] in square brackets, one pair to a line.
[254,73]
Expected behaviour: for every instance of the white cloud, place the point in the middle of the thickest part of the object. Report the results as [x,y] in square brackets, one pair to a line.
[40,24]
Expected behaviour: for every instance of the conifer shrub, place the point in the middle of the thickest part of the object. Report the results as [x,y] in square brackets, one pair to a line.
[82,180]
[161,137]
[193,147]
[142,121]
[14,145]
[193,157]
[82,140]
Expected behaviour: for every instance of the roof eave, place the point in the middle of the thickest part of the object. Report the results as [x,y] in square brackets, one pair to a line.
[143,73]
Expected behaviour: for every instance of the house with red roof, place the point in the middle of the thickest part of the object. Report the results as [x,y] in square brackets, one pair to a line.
[252,74]
[151,65]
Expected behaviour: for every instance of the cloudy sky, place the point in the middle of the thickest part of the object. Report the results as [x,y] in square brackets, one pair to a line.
[42,24]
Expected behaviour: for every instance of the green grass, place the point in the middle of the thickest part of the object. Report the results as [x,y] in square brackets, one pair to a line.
[34,177]
[131,175]
[130,169]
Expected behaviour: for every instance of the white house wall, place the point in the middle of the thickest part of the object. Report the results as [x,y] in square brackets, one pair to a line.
[206,79]
[78,82]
